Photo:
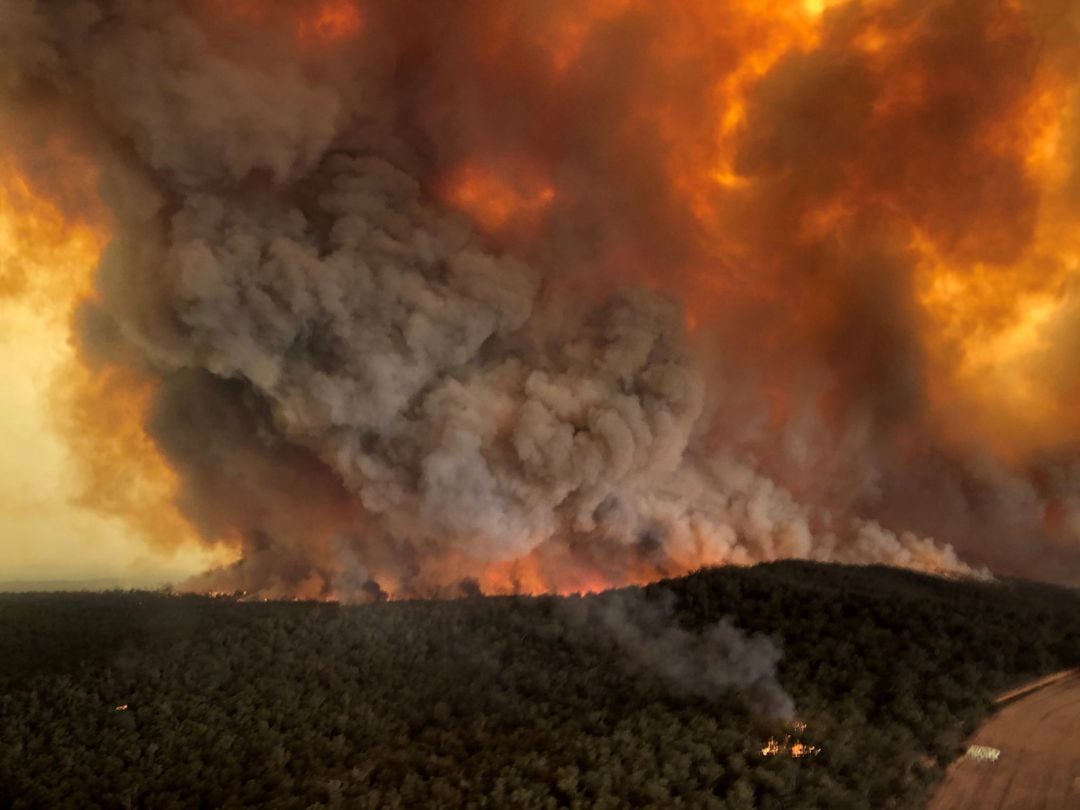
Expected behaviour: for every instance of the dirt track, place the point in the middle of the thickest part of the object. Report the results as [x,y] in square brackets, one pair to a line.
[1039,765]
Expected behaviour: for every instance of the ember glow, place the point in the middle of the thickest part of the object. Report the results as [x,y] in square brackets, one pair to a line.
[402,300]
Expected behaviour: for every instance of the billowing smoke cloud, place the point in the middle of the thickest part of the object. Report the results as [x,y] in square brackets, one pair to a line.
[719,660]
[564,297]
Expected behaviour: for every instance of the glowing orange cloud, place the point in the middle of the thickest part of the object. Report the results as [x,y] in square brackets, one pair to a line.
[495,202]
[332,21]
[313,25]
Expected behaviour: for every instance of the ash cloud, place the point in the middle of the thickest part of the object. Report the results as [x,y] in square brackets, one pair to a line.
[365,394]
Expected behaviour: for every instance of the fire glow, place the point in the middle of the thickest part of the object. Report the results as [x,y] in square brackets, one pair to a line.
[398,301]
[789,745]
[332,21]
[494,203]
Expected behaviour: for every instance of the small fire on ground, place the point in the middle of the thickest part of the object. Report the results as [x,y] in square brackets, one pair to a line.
[790,745]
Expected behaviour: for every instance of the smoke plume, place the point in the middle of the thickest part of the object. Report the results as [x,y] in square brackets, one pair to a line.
[718,660]
[564,295]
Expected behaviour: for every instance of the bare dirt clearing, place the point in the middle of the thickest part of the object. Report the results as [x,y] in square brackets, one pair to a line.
[1039,763]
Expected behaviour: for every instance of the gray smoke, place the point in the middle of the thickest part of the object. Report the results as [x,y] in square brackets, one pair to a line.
[361,391]
[716,661]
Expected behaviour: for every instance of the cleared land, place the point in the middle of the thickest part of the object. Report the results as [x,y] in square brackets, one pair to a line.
[1039,765]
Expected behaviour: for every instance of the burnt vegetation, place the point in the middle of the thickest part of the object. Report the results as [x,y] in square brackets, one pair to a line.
[506,702]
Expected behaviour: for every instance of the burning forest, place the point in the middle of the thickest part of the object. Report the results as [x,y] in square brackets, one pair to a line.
[386,299]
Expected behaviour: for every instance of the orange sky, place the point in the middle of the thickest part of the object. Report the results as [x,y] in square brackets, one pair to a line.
[45,531]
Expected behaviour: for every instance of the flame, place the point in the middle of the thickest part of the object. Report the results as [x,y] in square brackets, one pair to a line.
[553,567]
[789,745]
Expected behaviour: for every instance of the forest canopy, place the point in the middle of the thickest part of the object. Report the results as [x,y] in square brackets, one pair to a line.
[128,699]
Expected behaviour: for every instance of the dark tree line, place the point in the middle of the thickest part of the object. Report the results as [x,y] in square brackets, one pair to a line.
[504,702]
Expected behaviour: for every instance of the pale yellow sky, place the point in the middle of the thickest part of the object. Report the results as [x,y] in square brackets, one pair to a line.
[44,533]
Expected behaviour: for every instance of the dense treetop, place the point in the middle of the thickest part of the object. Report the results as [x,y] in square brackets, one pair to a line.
[508,702]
